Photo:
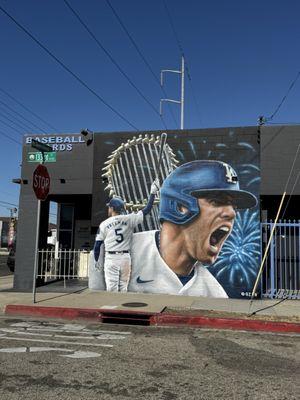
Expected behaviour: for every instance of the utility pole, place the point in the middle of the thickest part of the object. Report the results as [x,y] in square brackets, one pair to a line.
[181,101]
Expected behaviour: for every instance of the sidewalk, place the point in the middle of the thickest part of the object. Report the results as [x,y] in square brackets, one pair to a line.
[159,310]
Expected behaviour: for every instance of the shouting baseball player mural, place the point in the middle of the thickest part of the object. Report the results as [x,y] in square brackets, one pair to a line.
[201,209]
[197,212]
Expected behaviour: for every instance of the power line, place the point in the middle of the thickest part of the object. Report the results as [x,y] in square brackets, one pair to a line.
[180,47]
[28,110]
[22,116]
[13,122]
[173,29]
[141,55]
[11,127]
[40,44]
[15,118]
[283,99]
[193,94]
[116,64]
[10,204]
[10,138]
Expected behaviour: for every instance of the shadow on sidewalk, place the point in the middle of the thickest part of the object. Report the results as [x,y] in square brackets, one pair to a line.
[62,295]
[71,286]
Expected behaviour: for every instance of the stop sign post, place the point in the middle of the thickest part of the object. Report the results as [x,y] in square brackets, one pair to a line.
[41,187]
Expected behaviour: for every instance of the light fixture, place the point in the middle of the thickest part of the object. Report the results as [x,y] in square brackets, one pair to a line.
[88,136]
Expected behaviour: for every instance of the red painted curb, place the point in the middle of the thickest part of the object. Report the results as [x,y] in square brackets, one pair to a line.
[69,312]
[153,319]
[225,323]
[52,312]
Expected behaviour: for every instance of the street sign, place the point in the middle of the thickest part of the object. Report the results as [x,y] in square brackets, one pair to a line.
[40,146]
[41,182]
[38,157]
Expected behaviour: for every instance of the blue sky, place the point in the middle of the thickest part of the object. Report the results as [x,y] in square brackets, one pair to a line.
[241,55]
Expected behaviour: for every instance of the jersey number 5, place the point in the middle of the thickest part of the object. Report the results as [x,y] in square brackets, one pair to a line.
[119,235]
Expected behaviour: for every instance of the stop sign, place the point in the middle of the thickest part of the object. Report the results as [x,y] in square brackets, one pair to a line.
[41,182]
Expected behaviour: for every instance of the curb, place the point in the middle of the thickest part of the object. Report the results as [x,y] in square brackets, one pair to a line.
[51,312]
[225,323]
[152,319]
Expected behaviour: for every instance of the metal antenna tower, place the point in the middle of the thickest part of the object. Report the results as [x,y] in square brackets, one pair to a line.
[181,102]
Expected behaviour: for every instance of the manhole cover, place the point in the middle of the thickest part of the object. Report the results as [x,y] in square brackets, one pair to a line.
[134,304]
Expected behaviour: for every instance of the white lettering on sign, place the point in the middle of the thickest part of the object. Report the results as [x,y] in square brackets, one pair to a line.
[58,143]
[62,147]
[40,182]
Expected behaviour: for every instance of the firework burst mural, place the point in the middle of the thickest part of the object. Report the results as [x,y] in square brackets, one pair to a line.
[239,259]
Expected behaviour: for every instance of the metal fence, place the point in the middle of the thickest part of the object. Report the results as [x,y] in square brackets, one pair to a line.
[63,264]
[281,276]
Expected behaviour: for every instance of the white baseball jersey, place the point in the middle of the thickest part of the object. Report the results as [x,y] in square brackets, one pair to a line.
[150,274]
[117,231]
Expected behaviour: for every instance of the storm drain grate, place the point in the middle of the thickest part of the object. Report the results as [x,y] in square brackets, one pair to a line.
[126,318]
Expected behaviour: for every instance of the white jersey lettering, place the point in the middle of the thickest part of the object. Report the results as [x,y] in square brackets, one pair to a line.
[117,231]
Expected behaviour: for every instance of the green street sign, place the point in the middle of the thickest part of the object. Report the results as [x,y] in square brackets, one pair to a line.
[37,157]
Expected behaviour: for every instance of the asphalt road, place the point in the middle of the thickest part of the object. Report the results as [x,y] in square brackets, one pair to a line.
[57,360]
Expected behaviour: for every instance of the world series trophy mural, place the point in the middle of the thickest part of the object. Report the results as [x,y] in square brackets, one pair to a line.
[132,167]
[185,245]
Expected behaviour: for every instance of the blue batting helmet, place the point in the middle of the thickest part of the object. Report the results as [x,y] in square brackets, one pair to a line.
[117,204]
[198,179]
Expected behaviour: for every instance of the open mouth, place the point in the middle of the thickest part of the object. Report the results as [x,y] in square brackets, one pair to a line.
[218,236]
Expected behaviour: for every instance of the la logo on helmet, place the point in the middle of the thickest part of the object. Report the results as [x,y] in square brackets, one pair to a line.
[231,175]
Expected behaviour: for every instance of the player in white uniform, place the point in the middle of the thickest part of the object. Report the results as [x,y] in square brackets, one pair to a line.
[153,275]
[197,212]
[116,234]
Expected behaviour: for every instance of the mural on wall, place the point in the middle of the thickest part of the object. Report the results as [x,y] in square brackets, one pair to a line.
[202,236]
